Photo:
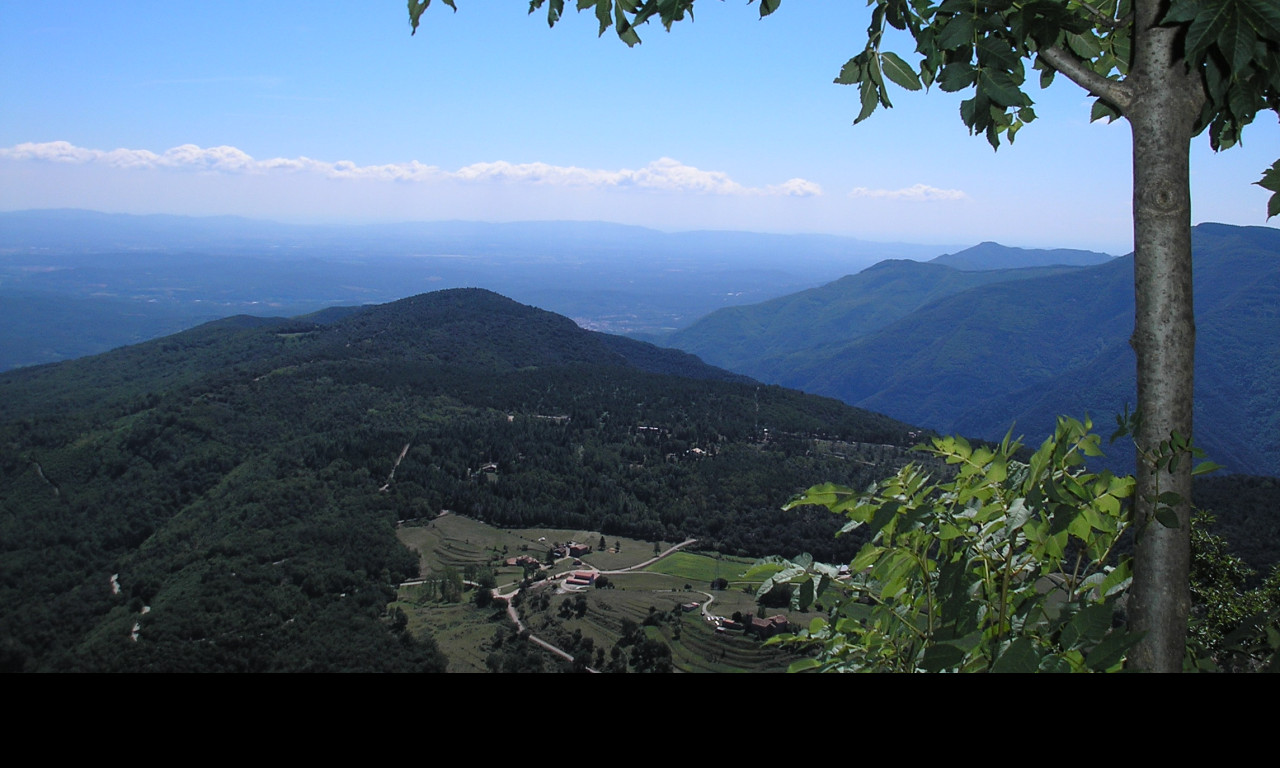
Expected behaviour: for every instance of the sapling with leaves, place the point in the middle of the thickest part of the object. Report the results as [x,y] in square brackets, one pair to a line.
[1001,566]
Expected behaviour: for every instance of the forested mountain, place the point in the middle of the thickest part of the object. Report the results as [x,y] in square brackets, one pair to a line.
[226,498]
[989,255]
[977,360]
[758,339]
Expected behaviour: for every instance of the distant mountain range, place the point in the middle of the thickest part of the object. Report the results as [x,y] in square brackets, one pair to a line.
[137,277]
[977,351]
[995,256]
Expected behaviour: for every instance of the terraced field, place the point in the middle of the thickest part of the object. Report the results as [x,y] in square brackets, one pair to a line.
[465,631]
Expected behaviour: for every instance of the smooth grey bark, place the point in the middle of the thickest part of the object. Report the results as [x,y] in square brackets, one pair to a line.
[1166,100]
[1162,100]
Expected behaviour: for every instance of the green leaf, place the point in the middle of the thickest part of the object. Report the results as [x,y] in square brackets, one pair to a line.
[1208,23]
[768,6]
[1086,46]
[969,112]
[870,100]
[416,9]
[626,33]
[1090,624]
[884,515]
[1080,527]
[995,52]
[825,495]
[1000,88]
[1205,467]
[555,9]
[1270,181]
[1262,15]
[803,665]
[940,656]
[1237,42]
[999,470]
[866,558]
[899,71]
[1181,11]
[957,76]
[806,594]
[1117,580]
[957,32]
[1109,505]
[851,72]
[1111,650]
[850,526]
[1018,515]
[1019,657]
[602,13]
[1167,517]
[1054,665]
[770,566]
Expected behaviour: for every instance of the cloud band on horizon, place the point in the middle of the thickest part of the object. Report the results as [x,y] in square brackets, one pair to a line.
[920,192]
[664,174]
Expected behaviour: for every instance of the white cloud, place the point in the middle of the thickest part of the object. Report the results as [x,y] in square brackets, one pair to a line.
[669,174]
[796,188]
[533,173]
[918,192]
[664,174]
[53,151]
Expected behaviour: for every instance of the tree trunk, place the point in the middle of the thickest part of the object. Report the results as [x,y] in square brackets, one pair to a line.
[1166,102]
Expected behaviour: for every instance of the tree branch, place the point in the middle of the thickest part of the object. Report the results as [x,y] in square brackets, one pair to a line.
[1115,92]
[1107,20]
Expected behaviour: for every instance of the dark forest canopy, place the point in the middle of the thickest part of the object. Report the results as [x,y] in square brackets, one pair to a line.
[236,477]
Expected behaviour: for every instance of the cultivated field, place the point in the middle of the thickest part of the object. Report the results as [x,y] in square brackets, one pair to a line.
[586,622]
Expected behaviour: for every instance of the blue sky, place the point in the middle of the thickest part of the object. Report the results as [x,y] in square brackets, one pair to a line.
[331,111]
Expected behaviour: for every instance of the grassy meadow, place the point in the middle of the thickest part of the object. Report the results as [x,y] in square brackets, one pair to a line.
[553,611]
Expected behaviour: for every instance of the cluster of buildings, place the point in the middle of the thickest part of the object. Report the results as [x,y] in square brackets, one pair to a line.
[572,549]
[755,625]
[581,578]
[522,561]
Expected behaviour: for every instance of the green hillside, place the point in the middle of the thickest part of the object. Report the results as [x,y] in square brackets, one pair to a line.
[226,498]
[1237,290]
[977,359]
[758,339]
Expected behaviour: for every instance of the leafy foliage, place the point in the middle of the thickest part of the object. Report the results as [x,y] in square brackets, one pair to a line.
[1005,567]
[1244,515]
[1163,458]
[1270,181]
[1236,43]
[982,47]
[1232,627]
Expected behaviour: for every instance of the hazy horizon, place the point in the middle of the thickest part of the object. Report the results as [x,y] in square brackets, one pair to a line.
[337,114]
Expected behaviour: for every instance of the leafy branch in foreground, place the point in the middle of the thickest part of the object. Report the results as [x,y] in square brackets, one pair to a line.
[1163,457]
[1005,567]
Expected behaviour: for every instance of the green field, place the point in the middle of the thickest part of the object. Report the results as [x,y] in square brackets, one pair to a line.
[466,633]
[460,629]
[700,569]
